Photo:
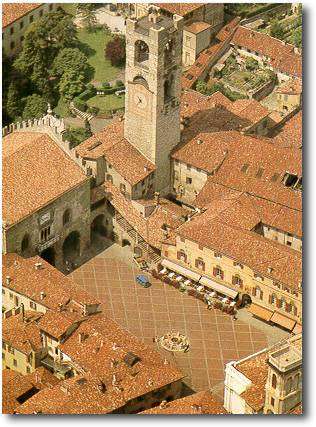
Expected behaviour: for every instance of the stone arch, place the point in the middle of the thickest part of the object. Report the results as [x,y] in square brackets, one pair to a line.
[49,255]
[246,300]
[71,246]
[98,227]
[141,52]
[141,80]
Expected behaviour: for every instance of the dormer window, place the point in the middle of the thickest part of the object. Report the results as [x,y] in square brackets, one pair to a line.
[259,173]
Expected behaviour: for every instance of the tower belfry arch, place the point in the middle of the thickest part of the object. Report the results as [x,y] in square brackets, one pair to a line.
[153,81]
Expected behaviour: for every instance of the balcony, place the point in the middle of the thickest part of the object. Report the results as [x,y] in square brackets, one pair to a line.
[48,243]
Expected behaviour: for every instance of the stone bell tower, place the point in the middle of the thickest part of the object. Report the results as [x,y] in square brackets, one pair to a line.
[284,383]
[153,82]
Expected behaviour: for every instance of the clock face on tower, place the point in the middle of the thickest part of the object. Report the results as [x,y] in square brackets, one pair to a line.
[140,100]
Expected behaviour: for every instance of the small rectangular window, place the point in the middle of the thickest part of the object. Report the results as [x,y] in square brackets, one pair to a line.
[31,18]
[259,173]
[21,25]
[188,180]
[11,30]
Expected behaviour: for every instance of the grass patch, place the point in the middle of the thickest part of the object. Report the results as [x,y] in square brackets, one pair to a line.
[107,103]
[93,45]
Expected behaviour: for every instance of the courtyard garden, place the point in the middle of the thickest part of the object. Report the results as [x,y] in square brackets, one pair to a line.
[237,78]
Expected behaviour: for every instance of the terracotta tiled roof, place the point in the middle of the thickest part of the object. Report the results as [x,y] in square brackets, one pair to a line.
[55,323]
[245,246]
[34,174]
[228,29]
[150,228]
[181,9]
[196,404]
[282,56]
[21,335]
[290,135]
[217,113]
[125,159]
[197,27]
[129,162]
[255,368]
[117,368]
[15,385]
[27,280]
[291,87]
[298,410]
[13,11]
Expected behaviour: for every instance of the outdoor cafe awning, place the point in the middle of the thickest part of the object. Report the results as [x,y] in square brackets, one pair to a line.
[181,270]
[218,287]
[261,312]
[283,321]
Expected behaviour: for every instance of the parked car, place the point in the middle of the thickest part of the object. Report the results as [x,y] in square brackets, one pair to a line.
[143,281]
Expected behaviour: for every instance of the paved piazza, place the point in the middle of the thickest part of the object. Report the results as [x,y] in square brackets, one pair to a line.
[214,337]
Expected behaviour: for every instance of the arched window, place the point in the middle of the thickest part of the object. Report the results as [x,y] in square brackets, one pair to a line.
[199,263]
[66,216]
[141,52]
[237,281]
[258,293]
[218,272]
[288,385]
[273,299]
[25,242]
[181,255]
[274,381]
[296,381]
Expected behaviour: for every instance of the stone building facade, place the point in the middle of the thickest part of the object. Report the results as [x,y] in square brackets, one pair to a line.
[16,19]
[153,73]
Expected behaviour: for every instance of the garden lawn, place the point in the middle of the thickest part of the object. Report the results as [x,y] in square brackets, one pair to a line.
[107,102]
[96,41]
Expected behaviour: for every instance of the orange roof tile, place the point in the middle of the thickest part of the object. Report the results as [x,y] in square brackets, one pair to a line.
[281,55]
[21,335]
[14,385]
[196,404]
[197,27]
[29,159]
[13,11]
[125,159]
[29,281]
[291,87]
[117,368]
[181,9]
[290,135]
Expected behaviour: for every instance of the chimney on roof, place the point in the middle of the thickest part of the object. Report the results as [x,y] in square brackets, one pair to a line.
[196,408]
[270,269]
[64,388]
[38,265]
[81,337]
[199,141]
[157,198]
[42,295]
[114,346]
[114,379]
[163,404]
[153,15]
[166,362]
[8,280]
[37,377]
[102,387]
[150,382]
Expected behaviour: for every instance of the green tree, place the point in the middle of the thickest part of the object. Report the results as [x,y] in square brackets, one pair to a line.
[297,37]
[42,41]
[276,30]
[76,135]
[251,64]
[70,59]
[115,51]
[35,107]
[14,105]
[71,84]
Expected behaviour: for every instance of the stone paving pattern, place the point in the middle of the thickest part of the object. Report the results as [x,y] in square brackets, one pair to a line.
[214,337]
